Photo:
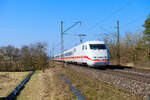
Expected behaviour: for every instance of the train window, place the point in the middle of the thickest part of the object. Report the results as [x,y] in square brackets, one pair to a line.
[74,49]
[83,47]
[97,46]
[68,54]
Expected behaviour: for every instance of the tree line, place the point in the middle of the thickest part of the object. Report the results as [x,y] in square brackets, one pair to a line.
[28,57]
[134,47]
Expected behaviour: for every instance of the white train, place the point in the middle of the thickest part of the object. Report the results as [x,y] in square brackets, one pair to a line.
[92,53]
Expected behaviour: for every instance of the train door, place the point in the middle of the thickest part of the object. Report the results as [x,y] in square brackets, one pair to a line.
[84,54]
[73,55]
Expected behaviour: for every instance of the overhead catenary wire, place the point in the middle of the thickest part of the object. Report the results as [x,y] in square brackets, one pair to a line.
[110,15]
[73,41]
[58,45]
[132,22]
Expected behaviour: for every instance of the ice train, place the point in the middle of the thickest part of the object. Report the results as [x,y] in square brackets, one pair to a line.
[92,53]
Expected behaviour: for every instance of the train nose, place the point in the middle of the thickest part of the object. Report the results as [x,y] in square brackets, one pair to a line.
[99,62]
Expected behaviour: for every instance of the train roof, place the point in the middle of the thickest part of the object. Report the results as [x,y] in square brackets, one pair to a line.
[94,42]
[90,42]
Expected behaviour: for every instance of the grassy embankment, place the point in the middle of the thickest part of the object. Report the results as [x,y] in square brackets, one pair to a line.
[93,89]
[138,64]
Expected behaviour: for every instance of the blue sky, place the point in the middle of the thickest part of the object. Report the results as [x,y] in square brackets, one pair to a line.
[28,21]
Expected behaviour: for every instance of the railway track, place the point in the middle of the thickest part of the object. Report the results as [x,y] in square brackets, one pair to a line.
[141,75]
[133,80]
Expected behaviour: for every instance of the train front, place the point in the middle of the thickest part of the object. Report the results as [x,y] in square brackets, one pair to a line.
[98,55]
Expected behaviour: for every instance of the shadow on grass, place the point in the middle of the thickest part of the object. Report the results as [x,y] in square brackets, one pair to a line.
[110,67]
[4,76]
[15,70]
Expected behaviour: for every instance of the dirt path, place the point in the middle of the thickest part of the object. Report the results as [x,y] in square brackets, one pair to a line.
[46,86]
[52,85]
[49,89]
[46,83]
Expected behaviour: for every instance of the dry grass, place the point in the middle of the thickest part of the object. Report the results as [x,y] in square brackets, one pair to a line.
[93,89]
[139,64]
[143,64]
[32,88]
[9,80]
[46,86]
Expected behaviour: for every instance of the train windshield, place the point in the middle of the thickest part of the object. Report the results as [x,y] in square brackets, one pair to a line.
[97,46]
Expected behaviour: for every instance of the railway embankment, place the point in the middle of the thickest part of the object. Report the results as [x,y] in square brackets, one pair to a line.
[135,81]
[92,88]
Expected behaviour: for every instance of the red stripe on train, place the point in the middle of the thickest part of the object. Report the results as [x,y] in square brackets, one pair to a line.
[86,57]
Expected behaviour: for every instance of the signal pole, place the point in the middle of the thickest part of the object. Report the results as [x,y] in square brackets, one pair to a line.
[62,34]
[118,43]
[62,41]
